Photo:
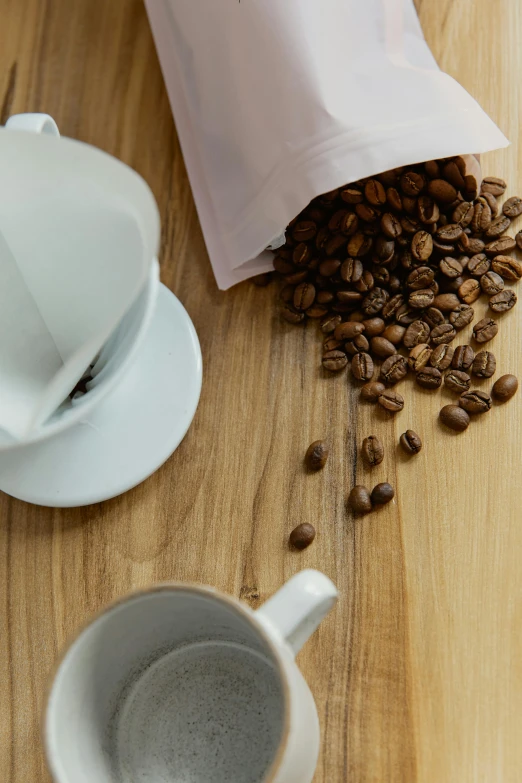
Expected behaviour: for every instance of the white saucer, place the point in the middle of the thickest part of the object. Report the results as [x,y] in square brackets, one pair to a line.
[132,431]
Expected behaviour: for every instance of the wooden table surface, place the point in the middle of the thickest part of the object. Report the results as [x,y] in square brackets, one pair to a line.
[418,672]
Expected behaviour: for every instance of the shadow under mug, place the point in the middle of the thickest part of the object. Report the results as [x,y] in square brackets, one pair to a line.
[181,684]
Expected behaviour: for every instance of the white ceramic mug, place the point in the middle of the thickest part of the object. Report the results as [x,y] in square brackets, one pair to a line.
[181,684]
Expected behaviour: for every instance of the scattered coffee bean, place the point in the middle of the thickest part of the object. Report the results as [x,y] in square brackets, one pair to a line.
[429,378]
[457,381]
[502,245]
[373,327]
[410,442]
[333,361]
[394,333]
[485,330]
[484,365]
[446,302]
[475,401]
[493,185]
[504,388]
[304,296]
[393,369]
[417,332]
[382,347]
[497,227]
[362,367]
[375,193]
[450,267]
[359,344]
[491,283]
[478,265]
[302,536]
[512,207]
[454,417]
[461,316]
[469,291]
[503,301]
[382,493]
[422,245]
[292,316]
[419,356]
[372,450]
[331,344]
[316,455]
[444,333]
[391,401]
[463,357]
[443,192]
[442,356]
[359,500]
[348,330]
[371,392]
[518,240]
[507,267]
[421,299]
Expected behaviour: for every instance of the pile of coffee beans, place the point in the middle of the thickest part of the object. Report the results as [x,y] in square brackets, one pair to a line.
[390,267]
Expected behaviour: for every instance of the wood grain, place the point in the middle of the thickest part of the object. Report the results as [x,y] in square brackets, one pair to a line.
[417,674]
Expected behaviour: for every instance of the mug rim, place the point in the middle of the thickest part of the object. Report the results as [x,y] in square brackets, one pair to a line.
[235,604]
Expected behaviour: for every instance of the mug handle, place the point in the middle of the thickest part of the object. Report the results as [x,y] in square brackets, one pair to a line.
[33,122]
[296,610]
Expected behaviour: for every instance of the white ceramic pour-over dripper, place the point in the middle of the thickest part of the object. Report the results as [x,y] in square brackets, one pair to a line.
[78,233]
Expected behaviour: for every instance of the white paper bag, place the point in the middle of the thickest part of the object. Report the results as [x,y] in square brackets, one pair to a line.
[277,101]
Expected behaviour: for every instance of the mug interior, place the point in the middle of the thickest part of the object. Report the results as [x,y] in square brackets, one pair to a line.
[176,685]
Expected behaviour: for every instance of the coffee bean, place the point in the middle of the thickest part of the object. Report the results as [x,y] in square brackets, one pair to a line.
[454,172]
[421,299]
[367,213]
[372,450]
[302,536]
[382,347]
[507,267]
[417,332]
[446,302]
[390,225]
[375,193]
[497,227]
[359,344]
[461,316]
[492,201]
[504,388]
[359,500]
[373,326]
[475,245]
[450,267]
[375,301]
[283,266]
[391,401]
[475,401]
[292,316]
[349,224]
[322,238]
[304,230]
[470,291]
[518,240]
[371,391]
[485,330]
[478,264]
[410,225]
[393,369]
[463,213]
[449,233]
[412,183]
[444,333]
[429,378]
[348,330]
[481,216]
[410,442]
[503,301]
[394,199]
[493,185]
[392,306]
[302,254]
[329,267]
[422,245]
[333,361]
[331,344]
[384,249]
[433,317]
[317,455]
[503,245]
[297,277]
[419,278]
[316,311]
[382,493]
[362,367]
[352,195]
[491,283]
[454,417]
[457,381]
[427,210]
[443,192]
[304,296]
[394,333]
[432,169]
[512,207]
[484,364]
[329,323]
[419,356]
[442,356]
[463,357]
[334,244]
